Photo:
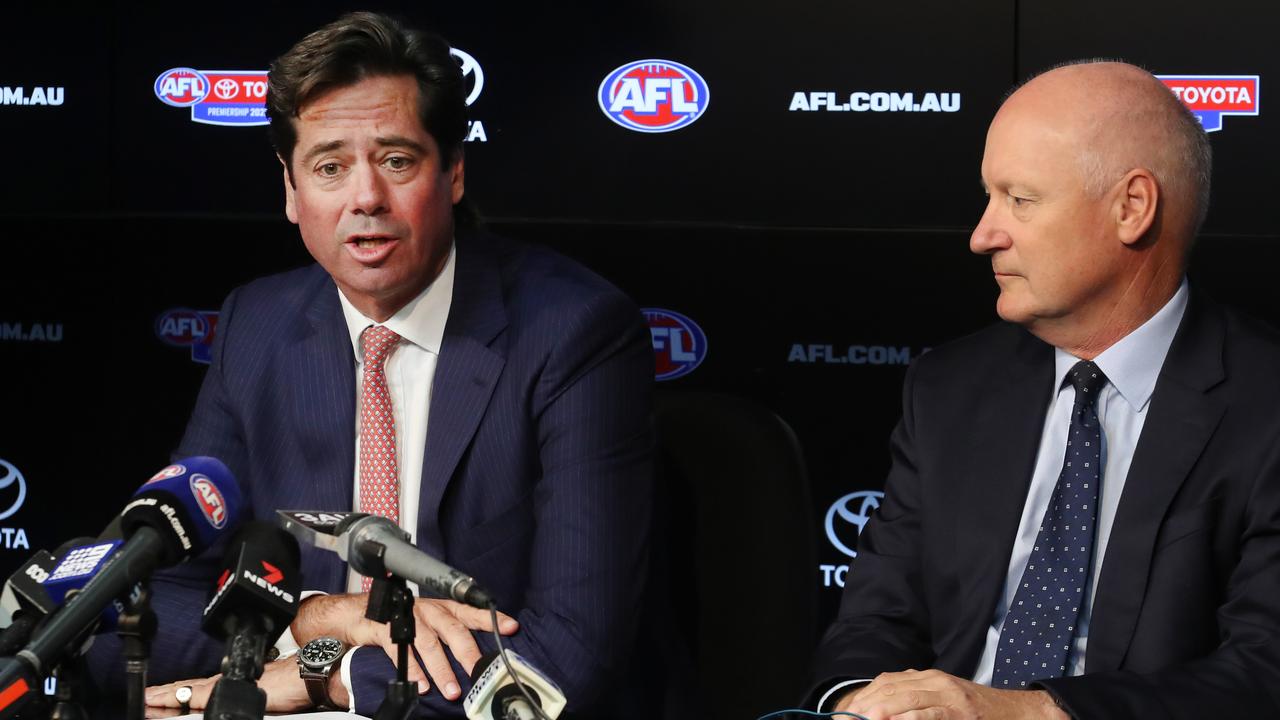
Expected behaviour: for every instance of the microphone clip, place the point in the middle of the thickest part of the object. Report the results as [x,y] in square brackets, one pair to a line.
[391,602]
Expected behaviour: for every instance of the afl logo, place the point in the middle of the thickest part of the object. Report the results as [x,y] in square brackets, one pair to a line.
[852,512]
[172,471]
[181,87]
[679,345]
[654,96]
[9,477]
[211,502]
[181,327]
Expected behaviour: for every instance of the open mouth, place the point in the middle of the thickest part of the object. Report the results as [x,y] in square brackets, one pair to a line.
[366,242]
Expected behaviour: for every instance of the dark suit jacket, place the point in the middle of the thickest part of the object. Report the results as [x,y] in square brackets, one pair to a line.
[536,480]
[1186,618]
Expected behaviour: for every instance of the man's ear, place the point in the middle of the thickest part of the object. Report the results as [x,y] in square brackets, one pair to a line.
[1134,209]
[457,176]
[290,209]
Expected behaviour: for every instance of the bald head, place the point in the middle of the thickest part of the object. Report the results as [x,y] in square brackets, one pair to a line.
[1121,117]
[1097,178]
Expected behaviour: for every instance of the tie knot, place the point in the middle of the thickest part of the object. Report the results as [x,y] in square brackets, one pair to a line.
[1087,379]
[378,341]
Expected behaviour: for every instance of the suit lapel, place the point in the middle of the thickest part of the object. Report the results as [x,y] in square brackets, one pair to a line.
[1180,420]
[319,368]
[466,373]
[324,402]
[1003,438]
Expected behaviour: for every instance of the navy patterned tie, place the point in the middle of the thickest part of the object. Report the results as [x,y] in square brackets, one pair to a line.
[1036,638]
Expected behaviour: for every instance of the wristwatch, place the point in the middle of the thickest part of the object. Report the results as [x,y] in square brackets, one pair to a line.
[317,661]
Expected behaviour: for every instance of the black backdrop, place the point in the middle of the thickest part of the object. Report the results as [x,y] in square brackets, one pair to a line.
[793,239]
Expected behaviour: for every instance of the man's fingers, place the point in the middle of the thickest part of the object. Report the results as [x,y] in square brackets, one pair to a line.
[477,619]
[442,623]
[452,632]
[415,673]
[933,713]
[162,700]
[893,699]
[167,695]
[437,664]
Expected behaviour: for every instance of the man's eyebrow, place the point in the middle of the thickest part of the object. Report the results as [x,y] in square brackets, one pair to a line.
[321,149]
[401,141]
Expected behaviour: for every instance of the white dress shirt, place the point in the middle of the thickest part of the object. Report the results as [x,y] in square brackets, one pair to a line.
[1132,366]
[410,369]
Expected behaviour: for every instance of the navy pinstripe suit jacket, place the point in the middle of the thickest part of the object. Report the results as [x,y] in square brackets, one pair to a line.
[537,476]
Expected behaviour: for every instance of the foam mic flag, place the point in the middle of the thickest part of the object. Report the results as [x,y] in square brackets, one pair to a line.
[494,695]
[25,601]
[174,515]
[189,504]
[252,603]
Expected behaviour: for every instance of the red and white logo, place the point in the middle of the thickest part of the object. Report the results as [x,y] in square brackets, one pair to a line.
[172,471]
[1212,97]
[210,499]
[653,96]
[181,87]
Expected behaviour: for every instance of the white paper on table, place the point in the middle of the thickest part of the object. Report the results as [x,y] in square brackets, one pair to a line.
[329,715]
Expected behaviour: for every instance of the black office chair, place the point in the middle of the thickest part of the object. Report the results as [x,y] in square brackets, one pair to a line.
[738,554]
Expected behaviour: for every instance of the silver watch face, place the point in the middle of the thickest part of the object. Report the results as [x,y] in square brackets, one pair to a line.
[320,652]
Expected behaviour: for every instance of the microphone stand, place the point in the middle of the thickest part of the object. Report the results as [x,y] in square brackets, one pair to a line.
[236,696]
[136,628]
[390,601]
[67,675]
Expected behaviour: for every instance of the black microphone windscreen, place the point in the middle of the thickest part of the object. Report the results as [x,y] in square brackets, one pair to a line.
[260,583]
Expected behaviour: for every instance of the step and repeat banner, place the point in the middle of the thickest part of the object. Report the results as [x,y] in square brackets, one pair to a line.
[786,188]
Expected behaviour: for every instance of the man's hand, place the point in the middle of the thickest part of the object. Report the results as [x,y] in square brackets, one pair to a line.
[935,695]
[440,623]
[280,679]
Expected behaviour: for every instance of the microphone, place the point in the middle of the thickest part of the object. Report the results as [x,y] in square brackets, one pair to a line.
[495,696]
[76,567]
[174,515]
[25,601]
[252,603]
[370,543]
[28,598]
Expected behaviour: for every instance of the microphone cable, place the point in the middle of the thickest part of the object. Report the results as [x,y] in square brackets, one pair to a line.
[511,668]
[811,713]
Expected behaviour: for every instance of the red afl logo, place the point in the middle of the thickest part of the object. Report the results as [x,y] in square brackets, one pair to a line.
[181,87]
[172,471]
[653,96]
[679,345]
[210,499]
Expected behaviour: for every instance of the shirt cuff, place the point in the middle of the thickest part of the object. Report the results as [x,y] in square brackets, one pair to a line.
[345,676]
[829,694]
[286,644]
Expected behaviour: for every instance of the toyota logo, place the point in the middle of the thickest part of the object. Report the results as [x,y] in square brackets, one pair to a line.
[852,511]
[10,475]
[471,74]
[225,88]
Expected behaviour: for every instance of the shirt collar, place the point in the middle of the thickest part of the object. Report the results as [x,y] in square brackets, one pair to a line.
[1133,363]
[421,321]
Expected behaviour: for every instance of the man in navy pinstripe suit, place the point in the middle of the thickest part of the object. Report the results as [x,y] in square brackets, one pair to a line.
[519,383]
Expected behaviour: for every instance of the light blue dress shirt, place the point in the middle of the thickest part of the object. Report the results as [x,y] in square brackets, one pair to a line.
[1132,366]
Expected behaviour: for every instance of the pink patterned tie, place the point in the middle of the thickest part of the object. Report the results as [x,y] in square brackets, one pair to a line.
[379,476]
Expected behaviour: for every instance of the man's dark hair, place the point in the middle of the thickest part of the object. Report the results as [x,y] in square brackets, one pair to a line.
[362,45]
